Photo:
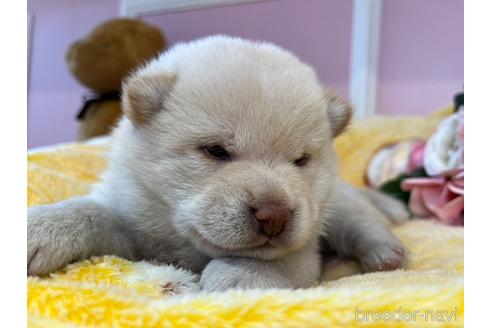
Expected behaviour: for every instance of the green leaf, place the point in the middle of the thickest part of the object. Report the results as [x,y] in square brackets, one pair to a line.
[392,187]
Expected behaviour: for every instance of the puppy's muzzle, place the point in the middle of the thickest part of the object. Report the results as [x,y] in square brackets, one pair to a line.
[272,218]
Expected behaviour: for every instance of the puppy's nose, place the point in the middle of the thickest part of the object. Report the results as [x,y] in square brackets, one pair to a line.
[272,219]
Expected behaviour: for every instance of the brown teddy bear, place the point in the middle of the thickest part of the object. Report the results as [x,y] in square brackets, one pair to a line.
[101,61]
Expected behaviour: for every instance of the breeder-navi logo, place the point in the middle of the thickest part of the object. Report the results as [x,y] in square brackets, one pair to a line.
[401,315]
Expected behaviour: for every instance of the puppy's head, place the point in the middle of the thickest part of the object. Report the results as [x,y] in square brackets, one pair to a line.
[235,137]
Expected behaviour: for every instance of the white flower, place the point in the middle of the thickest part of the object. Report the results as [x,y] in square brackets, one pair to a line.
[444,150]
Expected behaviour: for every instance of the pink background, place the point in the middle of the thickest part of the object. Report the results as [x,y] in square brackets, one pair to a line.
[421,60]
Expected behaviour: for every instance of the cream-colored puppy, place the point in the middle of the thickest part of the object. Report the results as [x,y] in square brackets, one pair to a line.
[223,165]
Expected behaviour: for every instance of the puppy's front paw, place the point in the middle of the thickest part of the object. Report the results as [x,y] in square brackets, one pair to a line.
[241,273]
[211,282]
[383,256]
[48,242]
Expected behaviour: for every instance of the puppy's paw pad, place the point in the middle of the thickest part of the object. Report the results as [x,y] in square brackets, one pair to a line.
[169,279]
[384,258]
[169,288]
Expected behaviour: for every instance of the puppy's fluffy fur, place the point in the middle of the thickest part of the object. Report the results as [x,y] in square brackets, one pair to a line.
[165,198]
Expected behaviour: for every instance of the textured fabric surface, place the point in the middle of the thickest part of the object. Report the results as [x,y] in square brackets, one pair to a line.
[112,292]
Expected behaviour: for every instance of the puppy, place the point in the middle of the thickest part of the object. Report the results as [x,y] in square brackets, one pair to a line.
[223,165]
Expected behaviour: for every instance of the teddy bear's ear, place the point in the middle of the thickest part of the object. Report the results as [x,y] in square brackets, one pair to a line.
[339,112]
[145,94]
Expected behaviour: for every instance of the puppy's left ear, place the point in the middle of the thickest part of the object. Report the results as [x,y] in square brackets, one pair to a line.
[339,112]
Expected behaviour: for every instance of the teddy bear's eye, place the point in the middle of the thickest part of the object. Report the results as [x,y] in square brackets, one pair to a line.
[106,45]
[302,161]
[217,152]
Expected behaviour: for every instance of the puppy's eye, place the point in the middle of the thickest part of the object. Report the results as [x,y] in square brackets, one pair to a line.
[303,160]
[217,152]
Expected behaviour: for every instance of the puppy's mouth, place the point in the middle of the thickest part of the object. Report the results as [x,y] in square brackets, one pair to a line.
[258,242]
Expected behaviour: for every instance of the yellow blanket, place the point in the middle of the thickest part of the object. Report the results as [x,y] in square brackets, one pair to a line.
[112,292]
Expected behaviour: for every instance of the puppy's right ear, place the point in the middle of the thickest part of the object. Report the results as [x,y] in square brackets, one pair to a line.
[145,94]
[339,112]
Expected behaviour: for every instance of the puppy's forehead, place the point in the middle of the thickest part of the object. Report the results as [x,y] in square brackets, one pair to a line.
[255,112]
[258,95]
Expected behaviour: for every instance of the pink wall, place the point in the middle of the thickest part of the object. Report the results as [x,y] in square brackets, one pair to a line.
[421,63]
[318,31]
[421,56]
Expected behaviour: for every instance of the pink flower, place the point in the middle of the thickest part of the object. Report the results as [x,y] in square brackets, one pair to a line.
[441,196]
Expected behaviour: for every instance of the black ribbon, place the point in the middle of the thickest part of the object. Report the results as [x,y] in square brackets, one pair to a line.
[92,98]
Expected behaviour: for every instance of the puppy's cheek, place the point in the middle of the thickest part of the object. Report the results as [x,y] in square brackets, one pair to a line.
[184,217]
[218,218]
[226,224]
[187,221]
[304,225]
